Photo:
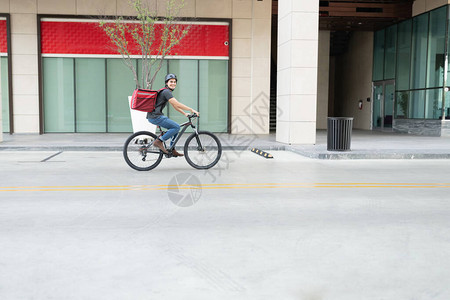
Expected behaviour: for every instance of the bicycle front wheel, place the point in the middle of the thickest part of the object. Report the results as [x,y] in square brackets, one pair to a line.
[139,152]
[202,150]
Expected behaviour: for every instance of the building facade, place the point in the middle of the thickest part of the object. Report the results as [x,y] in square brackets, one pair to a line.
[56,75]
[410,74]
[397,73]
[60,88]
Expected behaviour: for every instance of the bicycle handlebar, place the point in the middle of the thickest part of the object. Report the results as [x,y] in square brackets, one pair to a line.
[193,115]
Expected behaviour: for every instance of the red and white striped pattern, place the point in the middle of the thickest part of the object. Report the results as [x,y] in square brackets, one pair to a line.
[81,38]
[3,38]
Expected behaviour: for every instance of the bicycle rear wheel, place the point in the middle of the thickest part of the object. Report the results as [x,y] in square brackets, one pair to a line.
[202,150]
[139,152]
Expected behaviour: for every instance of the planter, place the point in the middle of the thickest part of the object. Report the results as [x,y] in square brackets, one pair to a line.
[139,120]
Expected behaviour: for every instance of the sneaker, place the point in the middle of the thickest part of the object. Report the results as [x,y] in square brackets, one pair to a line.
[158,143]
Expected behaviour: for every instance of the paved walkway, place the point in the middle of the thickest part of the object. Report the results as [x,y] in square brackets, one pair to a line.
[364,144]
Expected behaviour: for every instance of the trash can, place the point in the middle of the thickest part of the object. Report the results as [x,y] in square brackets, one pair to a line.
[339,133]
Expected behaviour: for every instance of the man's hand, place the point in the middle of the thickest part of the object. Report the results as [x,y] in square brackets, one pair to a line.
[193,112]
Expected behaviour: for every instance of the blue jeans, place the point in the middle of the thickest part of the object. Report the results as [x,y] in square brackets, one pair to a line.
[172,128]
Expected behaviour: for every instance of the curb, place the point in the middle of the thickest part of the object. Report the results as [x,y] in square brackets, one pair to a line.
[372,155]
[322,155]
[119,148]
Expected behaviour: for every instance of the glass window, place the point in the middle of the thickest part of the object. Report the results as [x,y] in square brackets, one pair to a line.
[390,52]
[447,105]
[401,108]
[5,94]
[403,55]
[436,45]
[213,87]
[416,105]
[58,90]
[448,47]
[378,55]
[433,104]
[419,51]
[187,86]
[120,85]
[90,95]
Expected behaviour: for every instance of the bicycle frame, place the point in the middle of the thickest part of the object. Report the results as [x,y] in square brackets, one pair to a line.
[184,126]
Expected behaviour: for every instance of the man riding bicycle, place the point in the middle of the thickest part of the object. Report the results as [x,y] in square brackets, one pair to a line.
[156,117]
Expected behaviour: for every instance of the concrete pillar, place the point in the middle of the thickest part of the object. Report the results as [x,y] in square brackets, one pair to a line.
[24,58]
[298,38]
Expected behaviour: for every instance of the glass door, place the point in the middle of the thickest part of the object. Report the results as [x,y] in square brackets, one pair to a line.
[377,112]
[383,104]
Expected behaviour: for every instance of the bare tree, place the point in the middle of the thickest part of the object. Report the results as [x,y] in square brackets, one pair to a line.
[155,37]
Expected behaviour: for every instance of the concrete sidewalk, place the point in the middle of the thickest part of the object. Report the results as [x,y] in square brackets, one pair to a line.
[364,144]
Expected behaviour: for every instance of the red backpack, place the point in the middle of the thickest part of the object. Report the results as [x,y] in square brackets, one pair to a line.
[144,100]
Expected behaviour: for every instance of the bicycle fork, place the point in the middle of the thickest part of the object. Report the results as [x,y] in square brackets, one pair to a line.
[199,143]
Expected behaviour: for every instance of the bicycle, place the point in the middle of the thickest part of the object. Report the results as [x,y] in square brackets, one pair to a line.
[202,149]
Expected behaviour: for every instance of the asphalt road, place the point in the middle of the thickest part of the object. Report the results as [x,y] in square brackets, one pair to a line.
[83,225]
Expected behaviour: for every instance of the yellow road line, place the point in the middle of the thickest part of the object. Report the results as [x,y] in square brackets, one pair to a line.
[240,184]
[224,186]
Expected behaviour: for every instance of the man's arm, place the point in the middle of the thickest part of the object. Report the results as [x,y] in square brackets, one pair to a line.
[180,107]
